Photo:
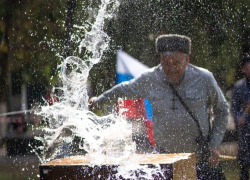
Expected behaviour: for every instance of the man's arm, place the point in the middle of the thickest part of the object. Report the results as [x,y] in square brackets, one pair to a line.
[221,109]
[135,88]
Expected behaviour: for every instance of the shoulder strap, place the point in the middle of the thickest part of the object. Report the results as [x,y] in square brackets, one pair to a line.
[186,107]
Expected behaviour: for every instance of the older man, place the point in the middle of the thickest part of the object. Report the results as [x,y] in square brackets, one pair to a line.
[174,130]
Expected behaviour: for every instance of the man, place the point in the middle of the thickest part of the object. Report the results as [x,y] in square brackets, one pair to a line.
[174,130]
[241,109]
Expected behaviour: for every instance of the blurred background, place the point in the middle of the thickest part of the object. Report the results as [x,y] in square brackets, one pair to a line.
[35,36]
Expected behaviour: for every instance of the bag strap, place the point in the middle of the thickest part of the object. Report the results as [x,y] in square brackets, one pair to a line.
[186,107]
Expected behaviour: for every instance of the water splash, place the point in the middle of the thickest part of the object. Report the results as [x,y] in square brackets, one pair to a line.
[71,128]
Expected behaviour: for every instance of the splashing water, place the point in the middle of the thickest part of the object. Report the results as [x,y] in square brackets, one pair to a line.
[72,129]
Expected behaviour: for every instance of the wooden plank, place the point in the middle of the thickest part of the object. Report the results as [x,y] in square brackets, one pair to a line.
[185,168]
[174,166]
[225,158]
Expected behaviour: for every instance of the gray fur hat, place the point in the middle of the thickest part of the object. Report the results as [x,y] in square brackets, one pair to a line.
[173,42]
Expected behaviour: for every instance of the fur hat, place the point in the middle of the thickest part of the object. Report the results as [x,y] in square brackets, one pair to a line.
[245,59]
[173,42]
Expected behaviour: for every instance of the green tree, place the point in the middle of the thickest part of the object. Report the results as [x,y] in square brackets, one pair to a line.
[30,30]
[218,29]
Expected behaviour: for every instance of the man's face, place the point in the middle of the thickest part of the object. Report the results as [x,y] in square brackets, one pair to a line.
[246,69]
[174,65]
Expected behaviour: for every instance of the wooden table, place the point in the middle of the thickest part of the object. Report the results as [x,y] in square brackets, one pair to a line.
[174,166]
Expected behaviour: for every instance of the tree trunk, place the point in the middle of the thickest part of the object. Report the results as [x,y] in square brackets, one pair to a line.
[69,27]
[4,64]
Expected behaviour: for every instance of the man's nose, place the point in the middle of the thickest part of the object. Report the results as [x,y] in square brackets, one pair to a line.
[171,64]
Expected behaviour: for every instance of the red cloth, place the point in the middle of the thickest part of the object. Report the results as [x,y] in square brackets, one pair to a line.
[51,99]
[135,109]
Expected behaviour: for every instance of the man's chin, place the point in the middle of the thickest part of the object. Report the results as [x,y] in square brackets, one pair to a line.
[174,82]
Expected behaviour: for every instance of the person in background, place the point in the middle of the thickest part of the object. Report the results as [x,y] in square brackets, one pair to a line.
[174,130]
[240,110]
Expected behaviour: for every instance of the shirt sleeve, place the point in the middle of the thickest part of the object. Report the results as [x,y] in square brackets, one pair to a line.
[220,110]
[135,88]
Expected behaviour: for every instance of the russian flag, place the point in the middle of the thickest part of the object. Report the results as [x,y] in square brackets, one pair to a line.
[128,68]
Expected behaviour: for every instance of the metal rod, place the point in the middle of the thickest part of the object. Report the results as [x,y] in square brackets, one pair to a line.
[15,112]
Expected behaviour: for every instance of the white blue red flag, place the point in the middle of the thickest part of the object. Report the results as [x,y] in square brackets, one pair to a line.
[128,68]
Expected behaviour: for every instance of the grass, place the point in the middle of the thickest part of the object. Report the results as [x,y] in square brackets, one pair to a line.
[231,169]
[19,168]
[14,176]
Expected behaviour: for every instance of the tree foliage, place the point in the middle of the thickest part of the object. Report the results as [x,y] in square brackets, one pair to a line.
[33,36]
[27,29]
[219,31]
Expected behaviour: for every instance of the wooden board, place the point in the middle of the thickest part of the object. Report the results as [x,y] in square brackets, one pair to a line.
[174,166]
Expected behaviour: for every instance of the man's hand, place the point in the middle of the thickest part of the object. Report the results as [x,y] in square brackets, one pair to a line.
[92,105]
[214,156]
